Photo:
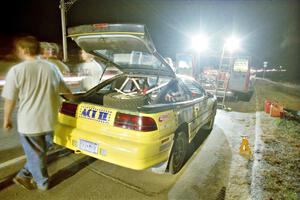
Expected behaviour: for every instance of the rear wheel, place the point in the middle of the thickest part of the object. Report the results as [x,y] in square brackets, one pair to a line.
[178,153]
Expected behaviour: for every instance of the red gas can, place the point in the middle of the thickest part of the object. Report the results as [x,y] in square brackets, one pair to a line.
[267,106]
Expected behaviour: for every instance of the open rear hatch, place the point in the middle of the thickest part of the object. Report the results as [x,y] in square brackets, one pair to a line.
[128,46]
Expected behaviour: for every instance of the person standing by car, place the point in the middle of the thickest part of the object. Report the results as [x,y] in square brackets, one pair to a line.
[50,52]
[35,84]
[91,70]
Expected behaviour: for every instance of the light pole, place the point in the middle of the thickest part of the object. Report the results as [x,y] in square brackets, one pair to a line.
[63,29]
[265,66]
[200,44]
[64,7]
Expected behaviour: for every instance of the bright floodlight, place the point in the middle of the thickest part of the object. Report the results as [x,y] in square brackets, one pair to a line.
[232,44]
[200,43]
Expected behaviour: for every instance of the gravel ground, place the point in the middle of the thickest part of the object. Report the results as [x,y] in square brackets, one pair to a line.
[279,168]
[280,159]
[276,163]
[235,125]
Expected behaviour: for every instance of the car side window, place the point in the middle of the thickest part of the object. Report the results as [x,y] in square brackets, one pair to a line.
[195,89]
[175,93]
[105,89]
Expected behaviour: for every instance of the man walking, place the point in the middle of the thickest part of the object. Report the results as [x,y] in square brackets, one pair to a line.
[35,84]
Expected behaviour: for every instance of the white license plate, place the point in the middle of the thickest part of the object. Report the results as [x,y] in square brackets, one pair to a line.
[88,146]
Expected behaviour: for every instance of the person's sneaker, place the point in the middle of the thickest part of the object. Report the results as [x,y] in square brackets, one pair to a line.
[26,183]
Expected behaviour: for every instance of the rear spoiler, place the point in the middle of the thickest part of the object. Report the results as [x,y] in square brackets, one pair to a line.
[136,30]
[103,28]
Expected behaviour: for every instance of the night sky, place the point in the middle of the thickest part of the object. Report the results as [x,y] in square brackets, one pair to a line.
[270,29]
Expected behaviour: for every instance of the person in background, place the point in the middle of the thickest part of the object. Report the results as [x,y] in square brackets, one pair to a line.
[50,51]
[35,85]
[170,62]
[90,70]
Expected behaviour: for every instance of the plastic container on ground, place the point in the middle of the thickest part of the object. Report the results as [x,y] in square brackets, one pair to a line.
[267,106]
[276,110]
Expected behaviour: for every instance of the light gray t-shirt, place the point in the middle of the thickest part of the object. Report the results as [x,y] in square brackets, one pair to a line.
[92,71]
[36,85]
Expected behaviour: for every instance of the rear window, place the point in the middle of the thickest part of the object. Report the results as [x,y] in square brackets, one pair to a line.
[128,52]
[135,84]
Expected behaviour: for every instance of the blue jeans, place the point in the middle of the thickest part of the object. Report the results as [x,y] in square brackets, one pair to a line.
[35,149]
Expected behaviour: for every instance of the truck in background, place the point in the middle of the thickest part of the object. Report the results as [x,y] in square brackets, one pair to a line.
[185,64]
[239,80]
[234,79]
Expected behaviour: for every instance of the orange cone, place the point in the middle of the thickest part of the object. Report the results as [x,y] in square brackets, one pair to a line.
[245,148]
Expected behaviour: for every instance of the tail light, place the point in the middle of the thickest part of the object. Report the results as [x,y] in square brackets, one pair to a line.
[135,122]
[68,109]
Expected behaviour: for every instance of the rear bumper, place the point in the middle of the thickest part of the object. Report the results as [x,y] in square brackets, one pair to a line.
[131,154]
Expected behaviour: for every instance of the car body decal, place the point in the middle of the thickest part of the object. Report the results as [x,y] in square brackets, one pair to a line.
[95,114]
[164,117]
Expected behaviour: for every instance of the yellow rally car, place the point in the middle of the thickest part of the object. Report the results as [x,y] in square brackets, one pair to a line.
[145,116]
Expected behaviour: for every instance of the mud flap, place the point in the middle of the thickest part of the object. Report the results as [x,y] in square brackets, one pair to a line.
[160,168]
[163,167]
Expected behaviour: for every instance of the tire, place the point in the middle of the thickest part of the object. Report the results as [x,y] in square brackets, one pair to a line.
[122,101]
[178,153]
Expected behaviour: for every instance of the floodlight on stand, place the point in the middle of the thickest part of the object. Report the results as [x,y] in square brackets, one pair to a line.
[232,44]
[200,43]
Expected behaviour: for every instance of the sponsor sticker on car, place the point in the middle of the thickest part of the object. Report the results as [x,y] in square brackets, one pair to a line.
[92,113]
[163,117]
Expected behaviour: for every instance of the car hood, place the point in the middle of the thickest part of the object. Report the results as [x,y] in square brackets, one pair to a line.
[128,46]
